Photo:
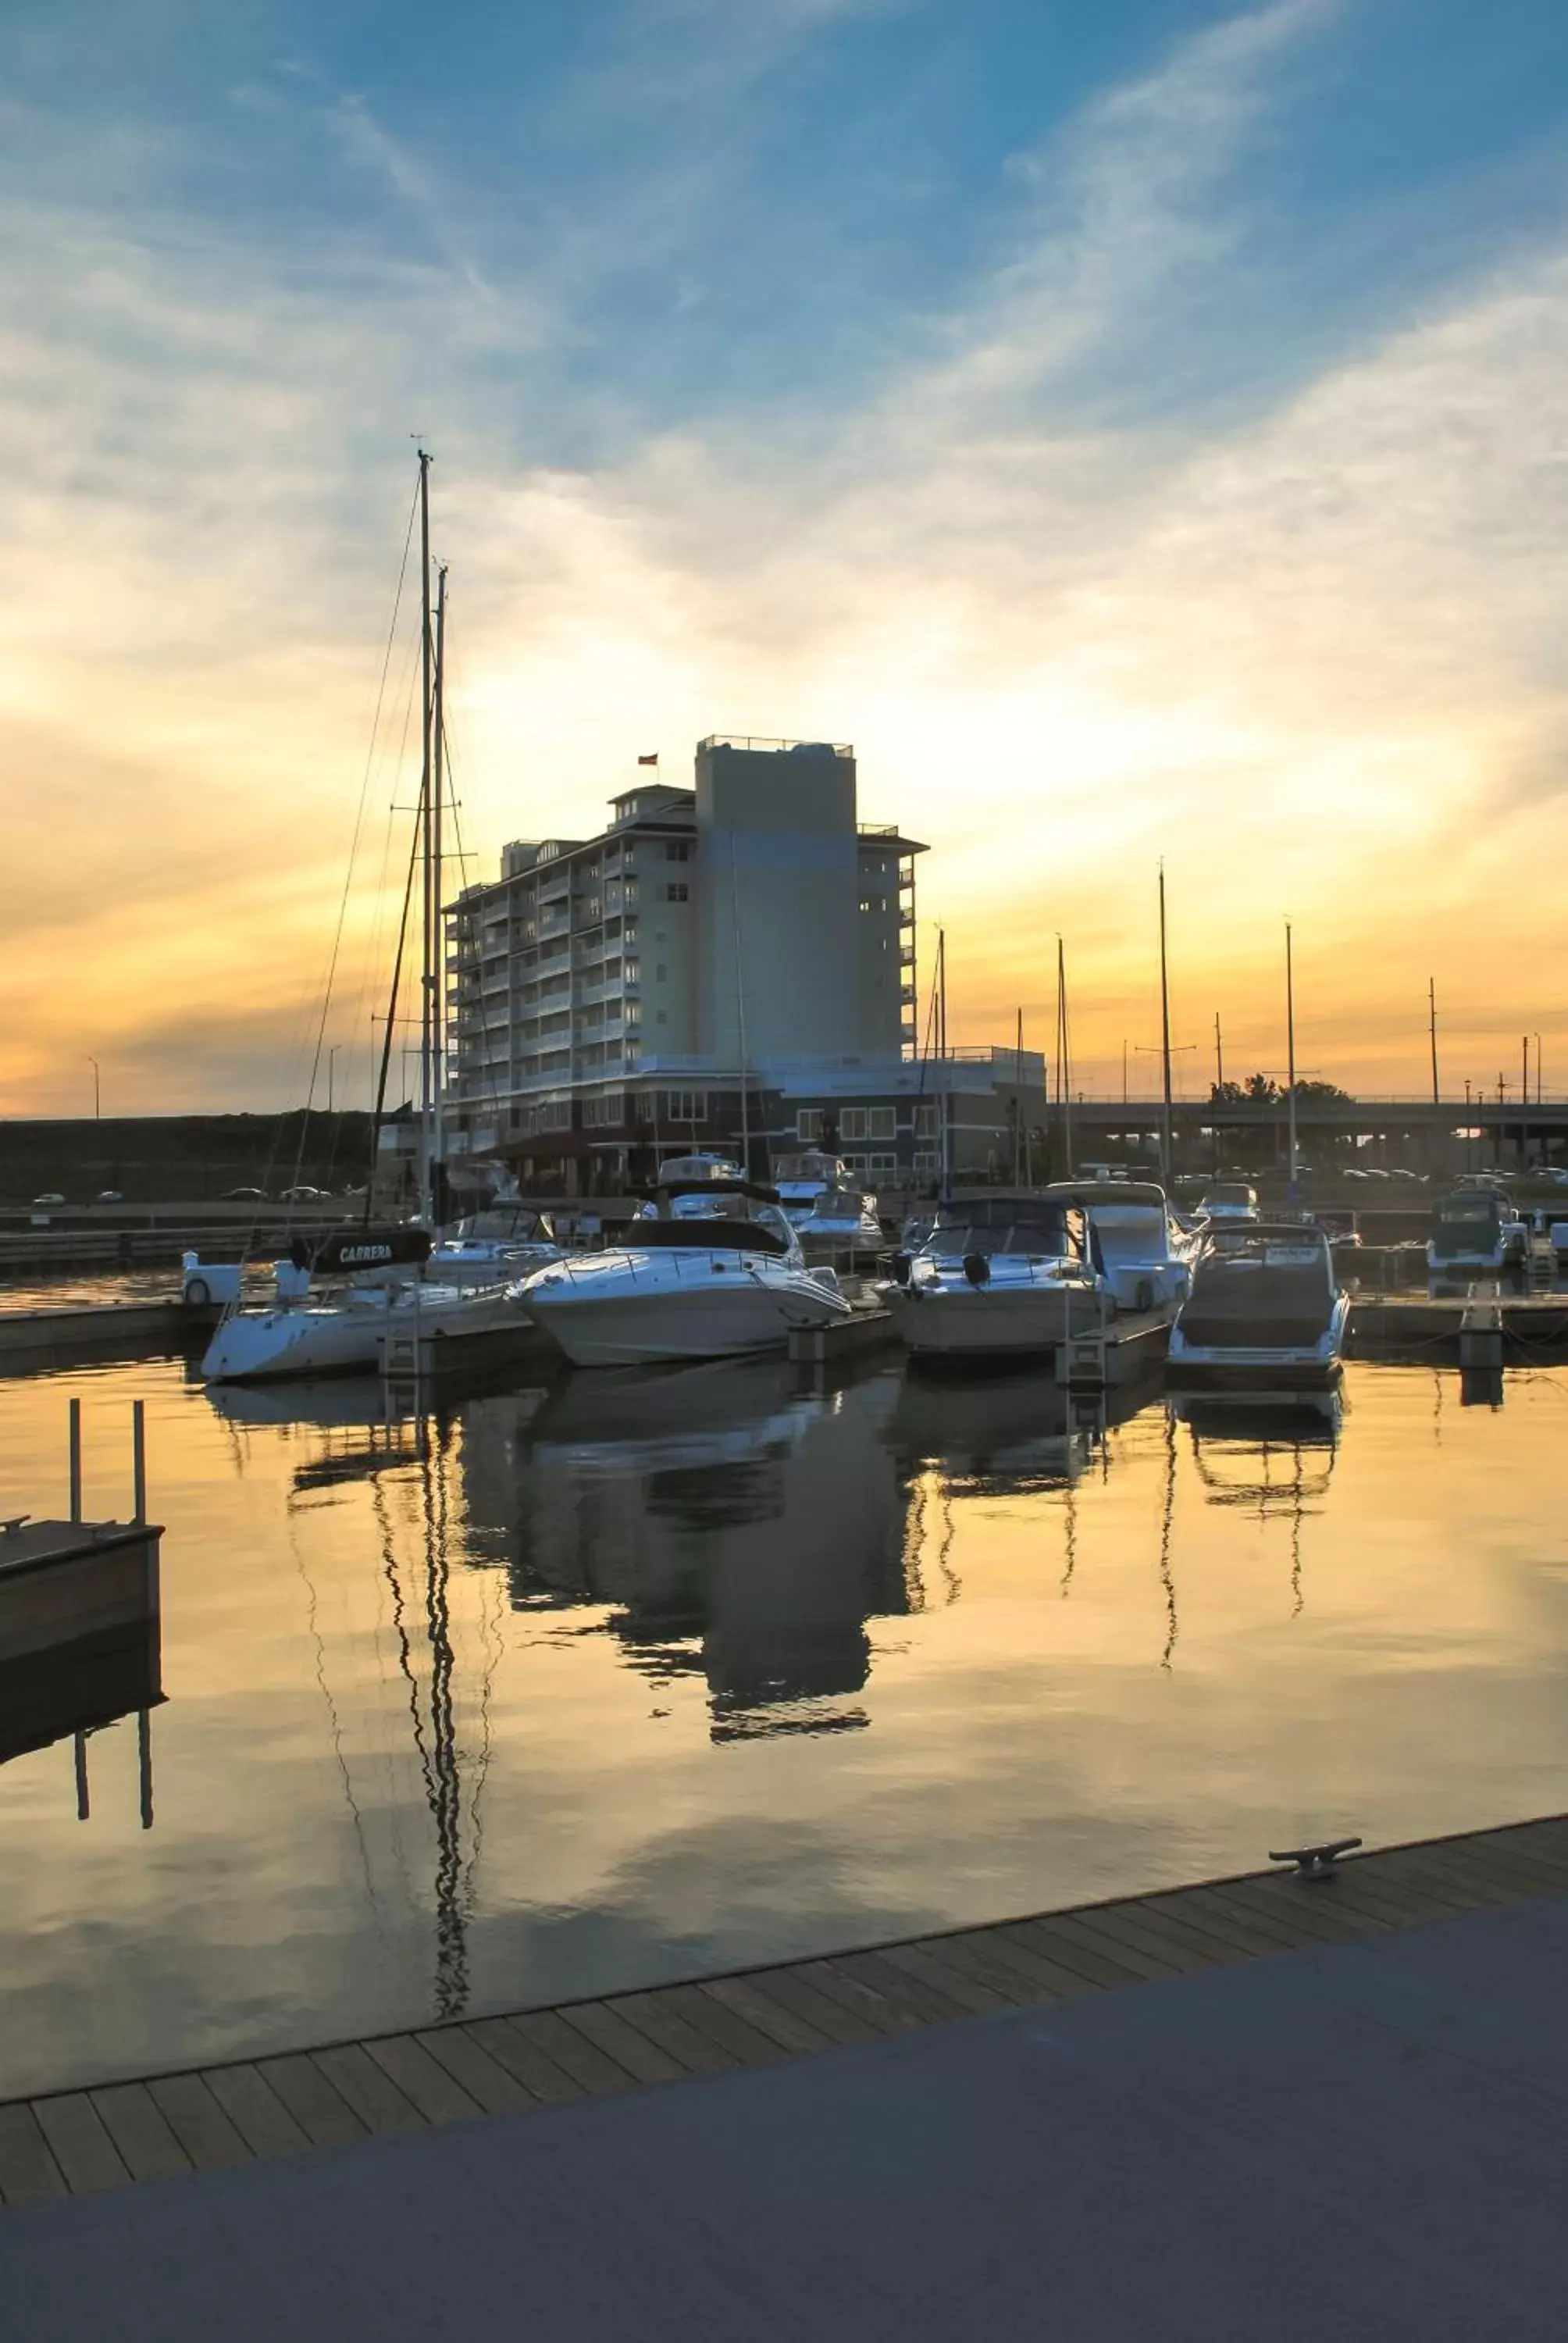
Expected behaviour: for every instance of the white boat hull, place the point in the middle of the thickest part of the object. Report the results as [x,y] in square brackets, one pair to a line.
[345,1338]
[603,1315]
[976,1322]
[1279,1363]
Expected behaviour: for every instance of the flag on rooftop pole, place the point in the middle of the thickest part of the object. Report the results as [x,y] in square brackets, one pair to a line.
[650,760]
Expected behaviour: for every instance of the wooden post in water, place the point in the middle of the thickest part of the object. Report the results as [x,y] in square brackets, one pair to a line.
[76,1451]
[139,1459]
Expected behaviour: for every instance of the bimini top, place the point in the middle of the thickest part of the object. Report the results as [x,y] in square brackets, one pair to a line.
[994,1223]
[1090,1193]
[999,1207]
[714,1170]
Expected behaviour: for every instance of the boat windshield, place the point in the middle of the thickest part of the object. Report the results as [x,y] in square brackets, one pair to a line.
[955,1240]
[809,1168]
[1468,1215]
[1234,1194]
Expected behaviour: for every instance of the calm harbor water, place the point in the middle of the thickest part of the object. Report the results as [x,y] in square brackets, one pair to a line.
[622,1678]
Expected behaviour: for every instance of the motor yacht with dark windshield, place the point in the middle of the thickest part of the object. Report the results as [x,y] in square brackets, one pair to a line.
[1000,1274]
[1266,1304]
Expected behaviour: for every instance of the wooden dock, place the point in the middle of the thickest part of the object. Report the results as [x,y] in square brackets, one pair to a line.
[77,2141]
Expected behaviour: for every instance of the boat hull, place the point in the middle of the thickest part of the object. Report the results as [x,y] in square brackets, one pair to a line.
[992,1321]
[1278,1366]
[267,1345]
[633,1320]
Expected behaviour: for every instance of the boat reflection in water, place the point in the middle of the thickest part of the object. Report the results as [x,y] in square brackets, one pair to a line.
[731,1527]
[1268,1453]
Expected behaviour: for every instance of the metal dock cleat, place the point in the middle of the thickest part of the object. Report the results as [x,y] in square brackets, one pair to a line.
[1315,1862]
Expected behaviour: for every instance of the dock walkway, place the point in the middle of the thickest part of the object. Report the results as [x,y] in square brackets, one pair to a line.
[82,2141]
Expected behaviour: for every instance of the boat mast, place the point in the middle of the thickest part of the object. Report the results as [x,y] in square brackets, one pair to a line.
[1432,1028]
[435,964]
[427,828]
[1291,1056]
[1017,1105]
[944,1165]
[1063,1061]
[1165,1149]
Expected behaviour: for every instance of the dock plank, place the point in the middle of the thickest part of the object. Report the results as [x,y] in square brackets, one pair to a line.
[424,2082]
[842,2026]
[593,2068]
[202,2128]
[754,1998]
[487,2083]
[375,2097]
[316,2106]
[256,2111]
[610,2030]
[664,2023]
[551,2085]
[80,2146]
[28,2173]
[140,2130]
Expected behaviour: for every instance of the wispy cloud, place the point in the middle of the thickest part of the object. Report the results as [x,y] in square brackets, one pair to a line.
[1307,649]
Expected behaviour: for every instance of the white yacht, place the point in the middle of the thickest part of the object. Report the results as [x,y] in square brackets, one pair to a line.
[831,1216]
[1265,1305]
[1471,1232]
[710,1270]
[1000,1274]
[1146,1256]
[377,1285]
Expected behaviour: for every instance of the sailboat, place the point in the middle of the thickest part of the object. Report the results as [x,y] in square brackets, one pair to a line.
[382,1283]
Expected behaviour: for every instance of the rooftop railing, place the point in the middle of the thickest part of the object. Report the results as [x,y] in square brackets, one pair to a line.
[776,748]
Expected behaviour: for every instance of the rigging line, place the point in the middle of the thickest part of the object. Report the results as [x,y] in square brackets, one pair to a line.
[379,1114]
[491,1082]
[335,1724]
[355,834]
[372,948]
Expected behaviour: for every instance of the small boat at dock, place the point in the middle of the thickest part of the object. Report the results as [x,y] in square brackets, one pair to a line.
[710,1270]
[1000,1274]
[1266,1305]
[1146,1256]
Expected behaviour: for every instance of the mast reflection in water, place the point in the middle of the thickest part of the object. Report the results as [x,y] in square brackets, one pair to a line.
[562,1691]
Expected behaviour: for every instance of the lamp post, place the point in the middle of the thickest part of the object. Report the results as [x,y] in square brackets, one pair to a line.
[97,1091]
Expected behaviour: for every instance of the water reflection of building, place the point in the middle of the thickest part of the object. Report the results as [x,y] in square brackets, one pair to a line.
[731,1526]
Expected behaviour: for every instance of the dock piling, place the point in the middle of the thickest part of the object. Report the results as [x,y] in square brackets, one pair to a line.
[139,1459]
[75,1456]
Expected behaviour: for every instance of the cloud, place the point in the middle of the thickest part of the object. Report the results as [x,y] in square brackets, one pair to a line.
[1308,649]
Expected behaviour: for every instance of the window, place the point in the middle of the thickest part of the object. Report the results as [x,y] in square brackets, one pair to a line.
[880,1122]
[633,971]
[556,1114]
[925,1123]
[661,973]
[857,1164]
[633,1013]
[884,1167]
[925,1167]
[808,1126]
[853,1122]
[606,1113]
[683,1106]
[660,1018]
[677,891]
[677,851]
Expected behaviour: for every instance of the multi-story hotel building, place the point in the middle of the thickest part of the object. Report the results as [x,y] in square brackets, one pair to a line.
[732,965]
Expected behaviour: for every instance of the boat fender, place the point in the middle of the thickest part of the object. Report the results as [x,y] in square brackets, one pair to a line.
[976,1269]
[198,1292]
[1144,1297]
[901,1262]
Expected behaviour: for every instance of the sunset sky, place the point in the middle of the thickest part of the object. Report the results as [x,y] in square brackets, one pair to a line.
[1141,428]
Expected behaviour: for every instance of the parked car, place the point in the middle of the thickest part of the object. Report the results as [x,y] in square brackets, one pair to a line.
[108,1196]
[50,1198]
[304,1195]
[243,1196]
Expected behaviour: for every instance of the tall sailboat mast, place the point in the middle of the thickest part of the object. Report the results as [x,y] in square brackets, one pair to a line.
[435,965]
[1063,1059]
[944,1161]
[1165,1148]
[427,824]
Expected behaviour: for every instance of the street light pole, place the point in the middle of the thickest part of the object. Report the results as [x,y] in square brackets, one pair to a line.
[97,1093]
[331,1053]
